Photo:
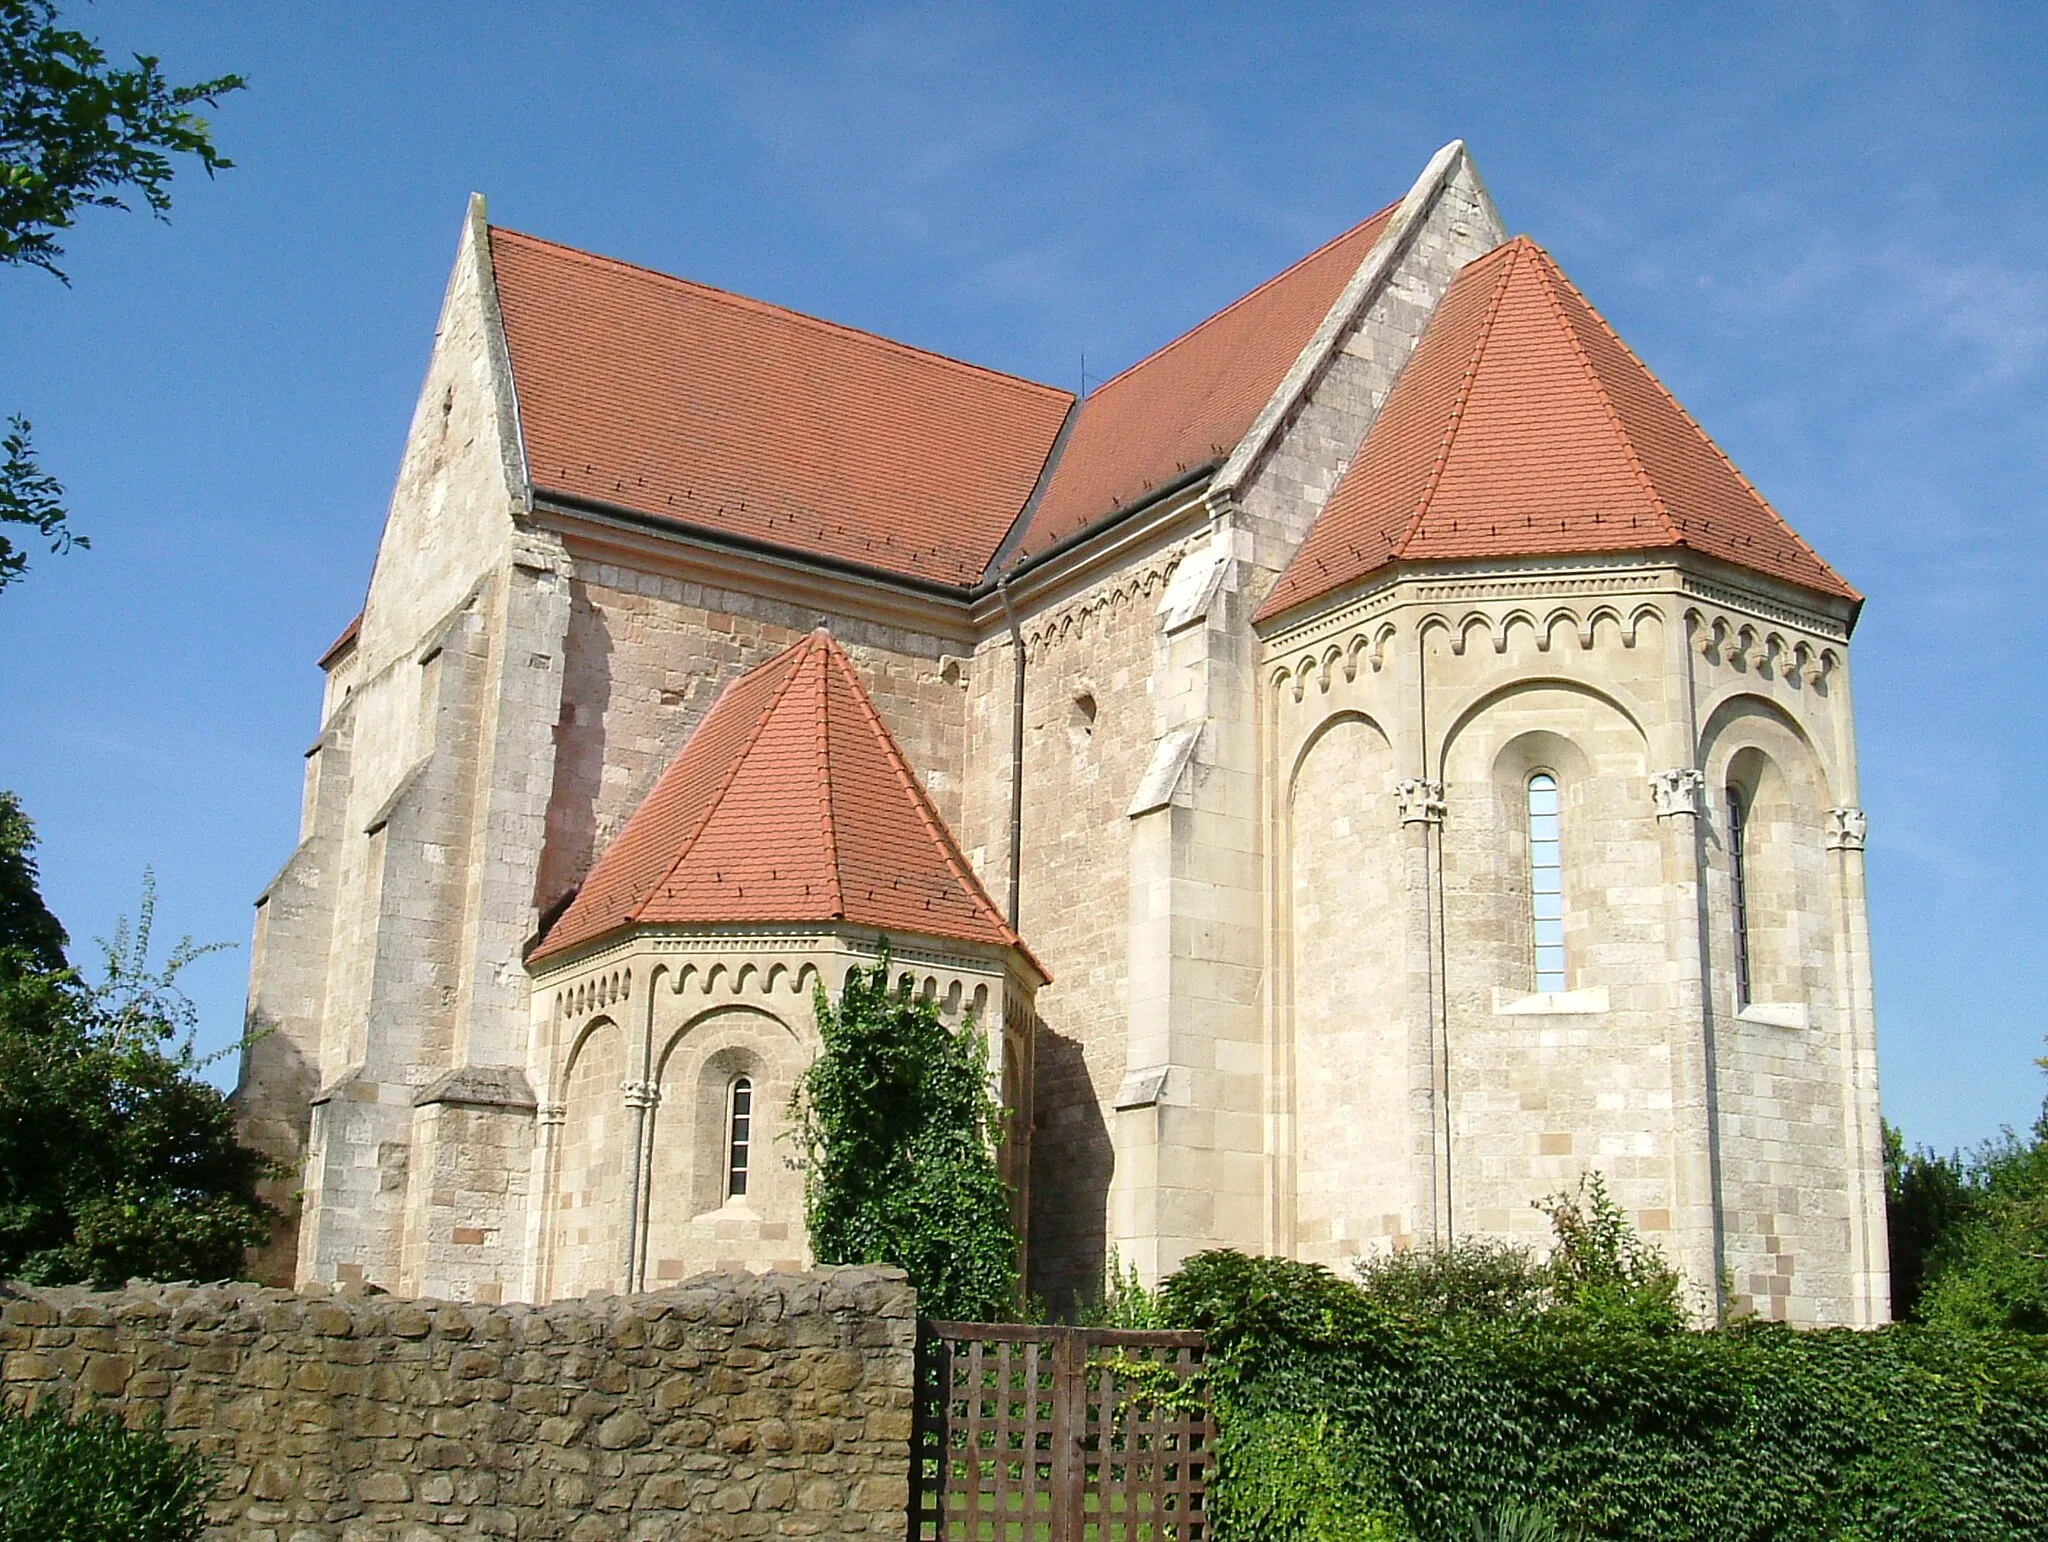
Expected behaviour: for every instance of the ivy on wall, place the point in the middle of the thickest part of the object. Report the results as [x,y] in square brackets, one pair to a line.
[899,1130]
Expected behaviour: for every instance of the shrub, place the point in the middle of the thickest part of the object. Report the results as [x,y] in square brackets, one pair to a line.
[96,1481]
[1752,1432]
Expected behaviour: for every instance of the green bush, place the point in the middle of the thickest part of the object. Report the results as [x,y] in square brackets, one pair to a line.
[1614,1430]
[96,1481]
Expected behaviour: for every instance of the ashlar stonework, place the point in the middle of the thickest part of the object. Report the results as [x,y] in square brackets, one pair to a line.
[1213,760]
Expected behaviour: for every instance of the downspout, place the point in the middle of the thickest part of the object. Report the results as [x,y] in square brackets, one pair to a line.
[1016,756]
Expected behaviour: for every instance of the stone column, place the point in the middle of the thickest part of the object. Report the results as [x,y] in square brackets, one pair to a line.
[1869,1248]
[547,1144]
[1421,803]
[642,1097]
[1696,1224]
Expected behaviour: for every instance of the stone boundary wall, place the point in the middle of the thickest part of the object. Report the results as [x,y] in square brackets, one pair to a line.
[730,1406]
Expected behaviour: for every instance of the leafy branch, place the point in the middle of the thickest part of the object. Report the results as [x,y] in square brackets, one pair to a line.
[77,134]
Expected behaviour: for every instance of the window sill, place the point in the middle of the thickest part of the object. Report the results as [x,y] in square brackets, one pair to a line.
[1778,1014]
[1507,1003]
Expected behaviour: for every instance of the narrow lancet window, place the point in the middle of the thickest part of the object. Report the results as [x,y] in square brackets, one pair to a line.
[1738,892]
[1546,882]
[740,1137]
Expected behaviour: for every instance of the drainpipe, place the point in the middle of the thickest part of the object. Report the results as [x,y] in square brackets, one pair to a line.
[1016,757]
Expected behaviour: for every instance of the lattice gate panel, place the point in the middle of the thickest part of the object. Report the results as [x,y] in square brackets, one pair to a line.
[1030,1434]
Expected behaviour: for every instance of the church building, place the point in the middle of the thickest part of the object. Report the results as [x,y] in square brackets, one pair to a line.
[1365,767]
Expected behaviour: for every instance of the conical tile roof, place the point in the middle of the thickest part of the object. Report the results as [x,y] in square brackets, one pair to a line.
[1523,425]
[790,803]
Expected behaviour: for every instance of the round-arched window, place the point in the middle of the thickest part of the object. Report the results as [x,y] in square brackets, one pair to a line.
[739,1135]
[1546,881]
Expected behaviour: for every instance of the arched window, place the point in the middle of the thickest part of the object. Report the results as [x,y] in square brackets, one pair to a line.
[1546,882]
[739,1136]
[1738,891]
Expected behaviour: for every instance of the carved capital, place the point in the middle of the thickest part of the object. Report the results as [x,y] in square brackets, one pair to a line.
[1847,828]
[1681,790]
[1422,803]
[641,1094]
[553,1113]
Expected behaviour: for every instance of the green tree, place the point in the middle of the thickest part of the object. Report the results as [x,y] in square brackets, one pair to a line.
[1926,1196]
[26,925]
[116,1158]
[899,1130]
[77,132]
[1988,1268]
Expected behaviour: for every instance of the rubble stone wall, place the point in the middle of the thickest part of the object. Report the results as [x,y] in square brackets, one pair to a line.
[731,1406]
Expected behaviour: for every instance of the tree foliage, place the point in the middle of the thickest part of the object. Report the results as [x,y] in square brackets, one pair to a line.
[116,1158]
[26,925]
[1925,1196]
[77,132]
[1969,1233]
[97,1481]
[898,1131]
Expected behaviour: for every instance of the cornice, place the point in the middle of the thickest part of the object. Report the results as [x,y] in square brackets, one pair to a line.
[686,941]
[1678,572]
[809,584]
[1116,546]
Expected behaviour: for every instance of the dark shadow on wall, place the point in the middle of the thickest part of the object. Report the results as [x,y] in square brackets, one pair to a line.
[272,1102]
[571,842]
[1071,1163]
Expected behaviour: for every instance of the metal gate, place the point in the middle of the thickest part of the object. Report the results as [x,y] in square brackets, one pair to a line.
[1028,1434]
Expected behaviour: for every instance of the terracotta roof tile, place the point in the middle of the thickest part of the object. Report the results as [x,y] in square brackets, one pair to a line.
[790,803]
[688,403]
[1193,400]
[1521,425]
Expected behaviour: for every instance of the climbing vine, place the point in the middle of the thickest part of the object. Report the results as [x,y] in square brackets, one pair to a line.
[899,1132]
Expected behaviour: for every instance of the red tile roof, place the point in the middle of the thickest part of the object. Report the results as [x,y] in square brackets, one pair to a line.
[1521,425]
[688,403]
[1193,400]
[789,803]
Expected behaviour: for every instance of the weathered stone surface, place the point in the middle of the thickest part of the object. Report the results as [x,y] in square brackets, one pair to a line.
[624,1437]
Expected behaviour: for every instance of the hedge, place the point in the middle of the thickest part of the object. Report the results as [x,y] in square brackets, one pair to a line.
[1341,1416]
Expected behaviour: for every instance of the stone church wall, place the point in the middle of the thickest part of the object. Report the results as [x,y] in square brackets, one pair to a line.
[749,1406]
[649,652]
[1088,737]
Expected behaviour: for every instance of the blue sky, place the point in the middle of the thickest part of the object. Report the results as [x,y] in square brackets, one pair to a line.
[1823,225]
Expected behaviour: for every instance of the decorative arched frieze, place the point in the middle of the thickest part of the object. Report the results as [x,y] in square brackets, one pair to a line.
[1074,620]
[1760,650]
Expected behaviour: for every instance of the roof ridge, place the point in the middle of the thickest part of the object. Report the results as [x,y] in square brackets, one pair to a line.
[1547,269]
[734,297]
[830,825]
[934,826]
[732,771]
[1697,427]
[1457,419]
[1244,299]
